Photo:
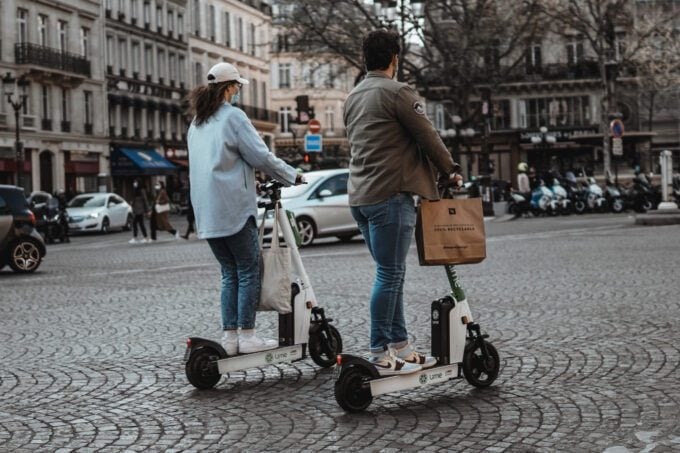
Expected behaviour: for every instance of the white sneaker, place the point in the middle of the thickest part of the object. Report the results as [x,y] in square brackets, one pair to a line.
[409,355]
[133,241]
[253,343]
[146,240]
[230,343]
[389,365]
[177,235]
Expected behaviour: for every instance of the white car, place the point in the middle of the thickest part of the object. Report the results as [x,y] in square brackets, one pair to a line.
[98,212]
[321,207]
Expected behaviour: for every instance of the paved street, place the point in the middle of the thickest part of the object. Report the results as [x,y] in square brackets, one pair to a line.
[584,312]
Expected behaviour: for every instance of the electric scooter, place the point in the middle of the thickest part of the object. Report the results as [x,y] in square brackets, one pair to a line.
[458,344]
[305,330]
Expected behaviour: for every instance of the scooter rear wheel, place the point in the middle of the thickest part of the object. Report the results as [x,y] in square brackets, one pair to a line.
[324,348]
[478,372]
[201,368]
[352,391]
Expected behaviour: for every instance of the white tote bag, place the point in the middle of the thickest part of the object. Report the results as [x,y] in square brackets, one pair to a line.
[161,208]
[275,268]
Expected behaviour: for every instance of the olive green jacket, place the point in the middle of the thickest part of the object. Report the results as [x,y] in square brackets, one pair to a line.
[394,146]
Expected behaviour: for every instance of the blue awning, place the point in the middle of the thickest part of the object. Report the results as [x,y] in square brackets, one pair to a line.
[133,162]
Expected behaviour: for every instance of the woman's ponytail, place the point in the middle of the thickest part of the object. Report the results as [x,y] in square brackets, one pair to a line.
[205,100]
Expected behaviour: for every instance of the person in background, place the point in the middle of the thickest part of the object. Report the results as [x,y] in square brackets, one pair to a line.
[140,206]
[160,220]
[224,151]
[523,185]
[191,218]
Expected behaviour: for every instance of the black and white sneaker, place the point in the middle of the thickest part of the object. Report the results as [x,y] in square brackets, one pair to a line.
[389,365]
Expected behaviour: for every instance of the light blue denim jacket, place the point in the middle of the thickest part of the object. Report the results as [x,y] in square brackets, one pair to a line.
[223,153]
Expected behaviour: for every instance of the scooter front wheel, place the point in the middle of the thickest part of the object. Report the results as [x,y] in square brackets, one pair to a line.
[324,347]
[479,372]
[201,368]
[352,390]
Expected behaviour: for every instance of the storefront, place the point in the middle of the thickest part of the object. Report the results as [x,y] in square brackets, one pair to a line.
[8,169]
[81,170]
[144,164]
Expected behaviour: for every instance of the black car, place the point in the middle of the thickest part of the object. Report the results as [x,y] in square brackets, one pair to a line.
[20,244]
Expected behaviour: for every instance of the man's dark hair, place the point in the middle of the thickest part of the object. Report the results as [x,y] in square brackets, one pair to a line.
[380,46]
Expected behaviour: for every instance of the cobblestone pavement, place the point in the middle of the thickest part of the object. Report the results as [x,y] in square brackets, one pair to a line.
[583,311]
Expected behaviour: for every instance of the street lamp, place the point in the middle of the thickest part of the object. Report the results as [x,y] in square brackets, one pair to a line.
[457,133]
[18,102]
[386,13]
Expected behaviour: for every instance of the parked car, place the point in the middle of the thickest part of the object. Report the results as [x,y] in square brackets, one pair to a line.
[21,246]
[321,207]
[98,212]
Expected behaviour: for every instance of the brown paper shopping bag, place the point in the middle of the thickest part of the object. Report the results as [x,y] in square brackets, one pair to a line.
[450,231]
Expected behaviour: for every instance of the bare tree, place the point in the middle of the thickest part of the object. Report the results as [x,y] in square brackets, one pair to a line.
[618,32]
[452,51]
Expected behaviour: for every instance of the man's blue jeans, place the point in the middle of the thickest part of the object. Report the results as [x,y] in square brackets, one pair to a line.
[239,256]
[387,228]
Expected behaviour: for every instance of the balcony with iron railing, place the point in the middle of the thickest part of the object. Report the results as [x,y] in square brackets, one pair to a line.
[258,113]
[26,53]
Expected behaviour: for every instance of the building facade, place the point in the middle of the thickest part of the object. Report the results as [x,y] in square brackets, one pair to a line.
[50,49]
[146,65]
[236,32]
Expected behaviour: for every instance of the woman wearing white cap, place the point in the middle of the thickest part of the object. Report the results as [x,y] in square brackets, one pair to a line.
[224,151]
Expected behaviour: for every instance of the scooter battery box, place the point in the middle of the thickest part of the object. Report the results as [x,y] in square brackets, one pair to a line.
[439,313]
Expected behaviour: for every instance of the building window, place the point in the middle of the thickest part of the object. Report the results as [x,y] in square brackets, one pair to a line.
[264,95]
[284,118]
[85,42]
[555,112]
[439,117]
[180,69]
[251,40]
[239,34]
[122,55]
[197,17]
[574,51]
[133,10]
[284,75]
[150,120]
[46,109]
[88,106]
[159,17]
[254,101]
[26,105]
[161,65]
[22,24]
[172,63]
[533,59]
[148,61]
[147,14]
[180,25]
[63,35]
[211,23]
[198,73]
[227,29]
[42,29]
[136,59]
[330,118]
[171,22]
[65,105]
[110,52]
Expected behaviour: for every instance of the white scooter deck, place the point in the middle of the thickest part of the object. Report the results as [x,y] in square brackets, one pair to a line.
[429,376]
[258,359]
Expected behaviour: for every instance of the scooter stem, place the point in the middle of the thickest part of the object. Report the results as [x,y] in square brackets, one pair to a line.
[456,288]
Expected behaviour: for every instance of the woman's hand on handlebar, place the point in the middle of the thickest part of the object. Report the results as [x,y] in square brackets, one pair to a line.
[300,179]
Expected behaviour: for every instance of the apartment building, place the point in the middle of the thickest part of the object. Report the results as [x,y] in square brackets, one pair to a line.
[48,59]
[236,32]
[146,63]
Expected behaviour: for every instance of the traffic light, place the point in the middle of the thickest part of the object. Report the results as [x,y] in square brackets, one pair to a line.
[302,108]
[306,158]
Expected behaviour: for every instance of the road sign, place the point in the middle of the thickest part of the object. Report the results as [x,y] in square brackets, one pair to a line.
[313,143]
[616,128]
[314,126]
[617,146]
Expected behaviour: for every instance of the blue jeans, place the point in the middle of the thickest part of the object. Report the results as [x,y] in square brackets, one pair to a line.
[387,228]
[239,256]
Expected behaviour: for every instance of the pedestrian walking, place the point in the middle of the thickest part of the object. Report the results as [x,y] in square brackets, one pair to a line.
[523,185]
[394,148]
[160,213]
[140,206]
[191,217]
[224,151]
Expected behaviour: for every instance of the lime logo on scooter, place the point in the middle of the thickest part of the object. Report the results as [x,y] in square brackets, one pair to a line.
[269,358]
[423,379]
[435,315]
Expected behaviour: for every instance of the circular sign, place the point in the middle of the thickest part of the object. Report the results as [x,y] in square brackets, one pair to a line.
[616,128]
[314,126]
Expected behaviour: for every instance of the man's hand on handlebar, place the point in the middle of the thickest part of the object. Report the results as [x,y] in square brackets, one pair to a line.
[456,180]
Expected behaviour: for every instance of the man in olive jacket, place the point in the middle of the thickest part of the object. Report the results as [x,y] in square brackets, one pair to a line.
[394,153]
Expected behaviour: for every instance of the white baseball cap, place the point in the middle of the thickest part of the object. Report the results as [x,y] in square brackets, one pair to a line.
[225,72]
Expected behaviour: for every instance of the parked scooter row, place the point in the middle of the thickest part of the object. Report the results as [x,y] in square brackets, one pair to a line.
[567,195]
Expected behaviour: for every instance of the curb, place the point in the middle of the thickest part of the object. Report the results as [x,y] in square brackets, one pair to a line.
[657,218]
